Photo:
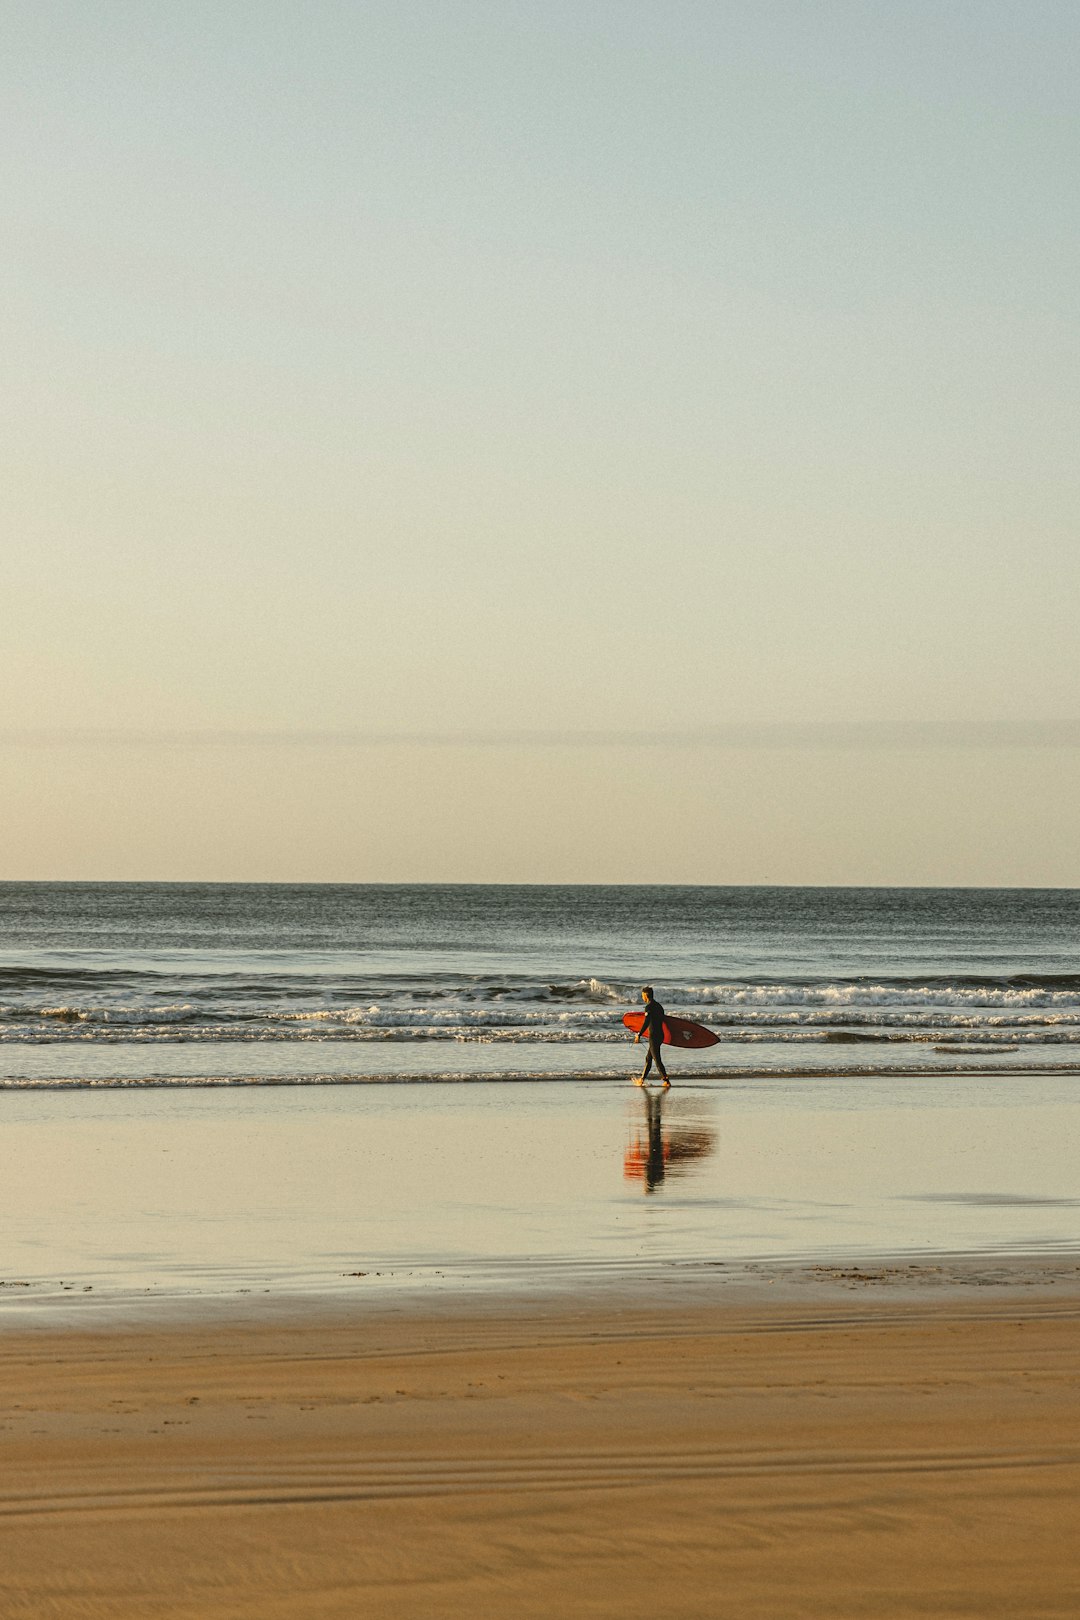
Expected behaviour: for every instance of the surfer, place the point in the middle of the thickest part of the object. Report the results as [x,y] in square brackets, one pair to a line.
[653,1027]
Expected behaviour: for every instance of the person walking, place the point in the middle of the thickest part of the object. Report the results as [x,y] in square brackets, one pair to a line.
[653,1029]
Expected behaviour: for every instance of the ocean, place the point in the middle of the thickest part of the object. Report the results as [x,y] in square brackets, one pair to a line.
[158,984]
[214,1089]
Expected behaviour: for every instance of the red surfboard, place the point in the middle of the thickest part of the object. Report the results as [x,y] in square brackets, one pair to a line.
[677,1031]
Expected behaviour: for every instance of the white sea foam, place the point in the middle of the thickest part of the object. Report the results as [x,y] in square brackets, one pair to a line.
[877,995]
[505,1010]
[802,1071]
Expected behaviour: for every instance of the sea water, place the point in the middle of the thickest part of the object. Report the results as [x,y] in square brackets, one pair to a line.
[142,983]
[230,1088]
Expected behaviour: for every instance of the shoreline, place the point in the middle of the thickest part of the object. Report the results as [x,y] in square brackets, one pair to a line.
[686,1080]
[709,1285]
[859,1446]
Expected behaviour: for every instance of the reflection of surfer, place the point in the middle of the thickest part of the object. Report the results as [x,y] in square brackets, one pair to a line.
[653,1027]
[644,1161]
[660,1153]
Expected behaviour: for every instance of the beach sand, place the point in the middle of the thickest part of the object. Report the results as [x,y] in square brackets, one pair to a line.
[851,1441]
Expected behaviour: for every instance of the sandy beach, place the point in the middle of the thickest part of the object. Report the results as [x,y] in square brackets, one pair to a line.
[845,1441]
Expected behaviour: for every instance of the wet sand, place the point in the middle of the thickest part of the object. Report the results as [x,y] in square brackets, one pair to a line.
[425,1187]
[850,1440]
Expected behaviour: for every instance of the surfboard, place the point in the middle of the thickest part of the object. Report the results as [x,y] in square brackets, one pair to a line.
[677,1031]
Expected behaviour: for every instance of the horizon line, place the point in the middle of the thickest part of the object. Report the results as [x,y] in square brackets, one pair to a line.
[783,734]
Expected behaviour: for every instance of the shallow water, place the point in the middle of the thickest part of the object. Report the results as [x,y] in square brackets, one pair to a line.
[213,1192]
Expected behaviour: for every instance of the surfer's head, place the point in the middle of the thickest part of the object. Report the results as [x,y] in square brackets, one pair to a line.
[646,992]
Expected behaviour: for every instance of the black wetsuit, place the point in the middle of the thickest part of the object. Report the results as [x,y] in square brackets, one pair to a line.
[653,1029]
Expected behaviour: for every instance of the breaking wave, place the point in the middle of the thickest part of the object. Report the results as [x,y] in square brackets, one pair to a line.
[70,1004]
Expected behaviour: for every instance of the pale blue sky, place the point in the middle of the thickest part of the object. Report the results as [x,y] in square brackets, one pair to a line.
[479,368]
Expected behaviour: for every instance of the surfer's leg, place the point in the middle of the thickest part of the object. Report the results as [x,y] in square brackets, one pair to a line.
[654,1056]
[648,1065]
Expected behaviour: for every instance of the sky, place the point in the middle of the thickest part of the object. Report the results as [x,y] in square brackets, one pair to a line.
[469,440]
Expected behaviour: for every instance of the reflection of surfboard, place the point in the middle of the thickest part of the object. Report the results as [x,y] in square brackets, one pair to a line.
[677,1031]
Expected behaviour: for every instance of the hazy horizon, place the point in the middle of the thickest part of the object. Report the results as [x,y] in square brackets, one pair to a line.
[524,883]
